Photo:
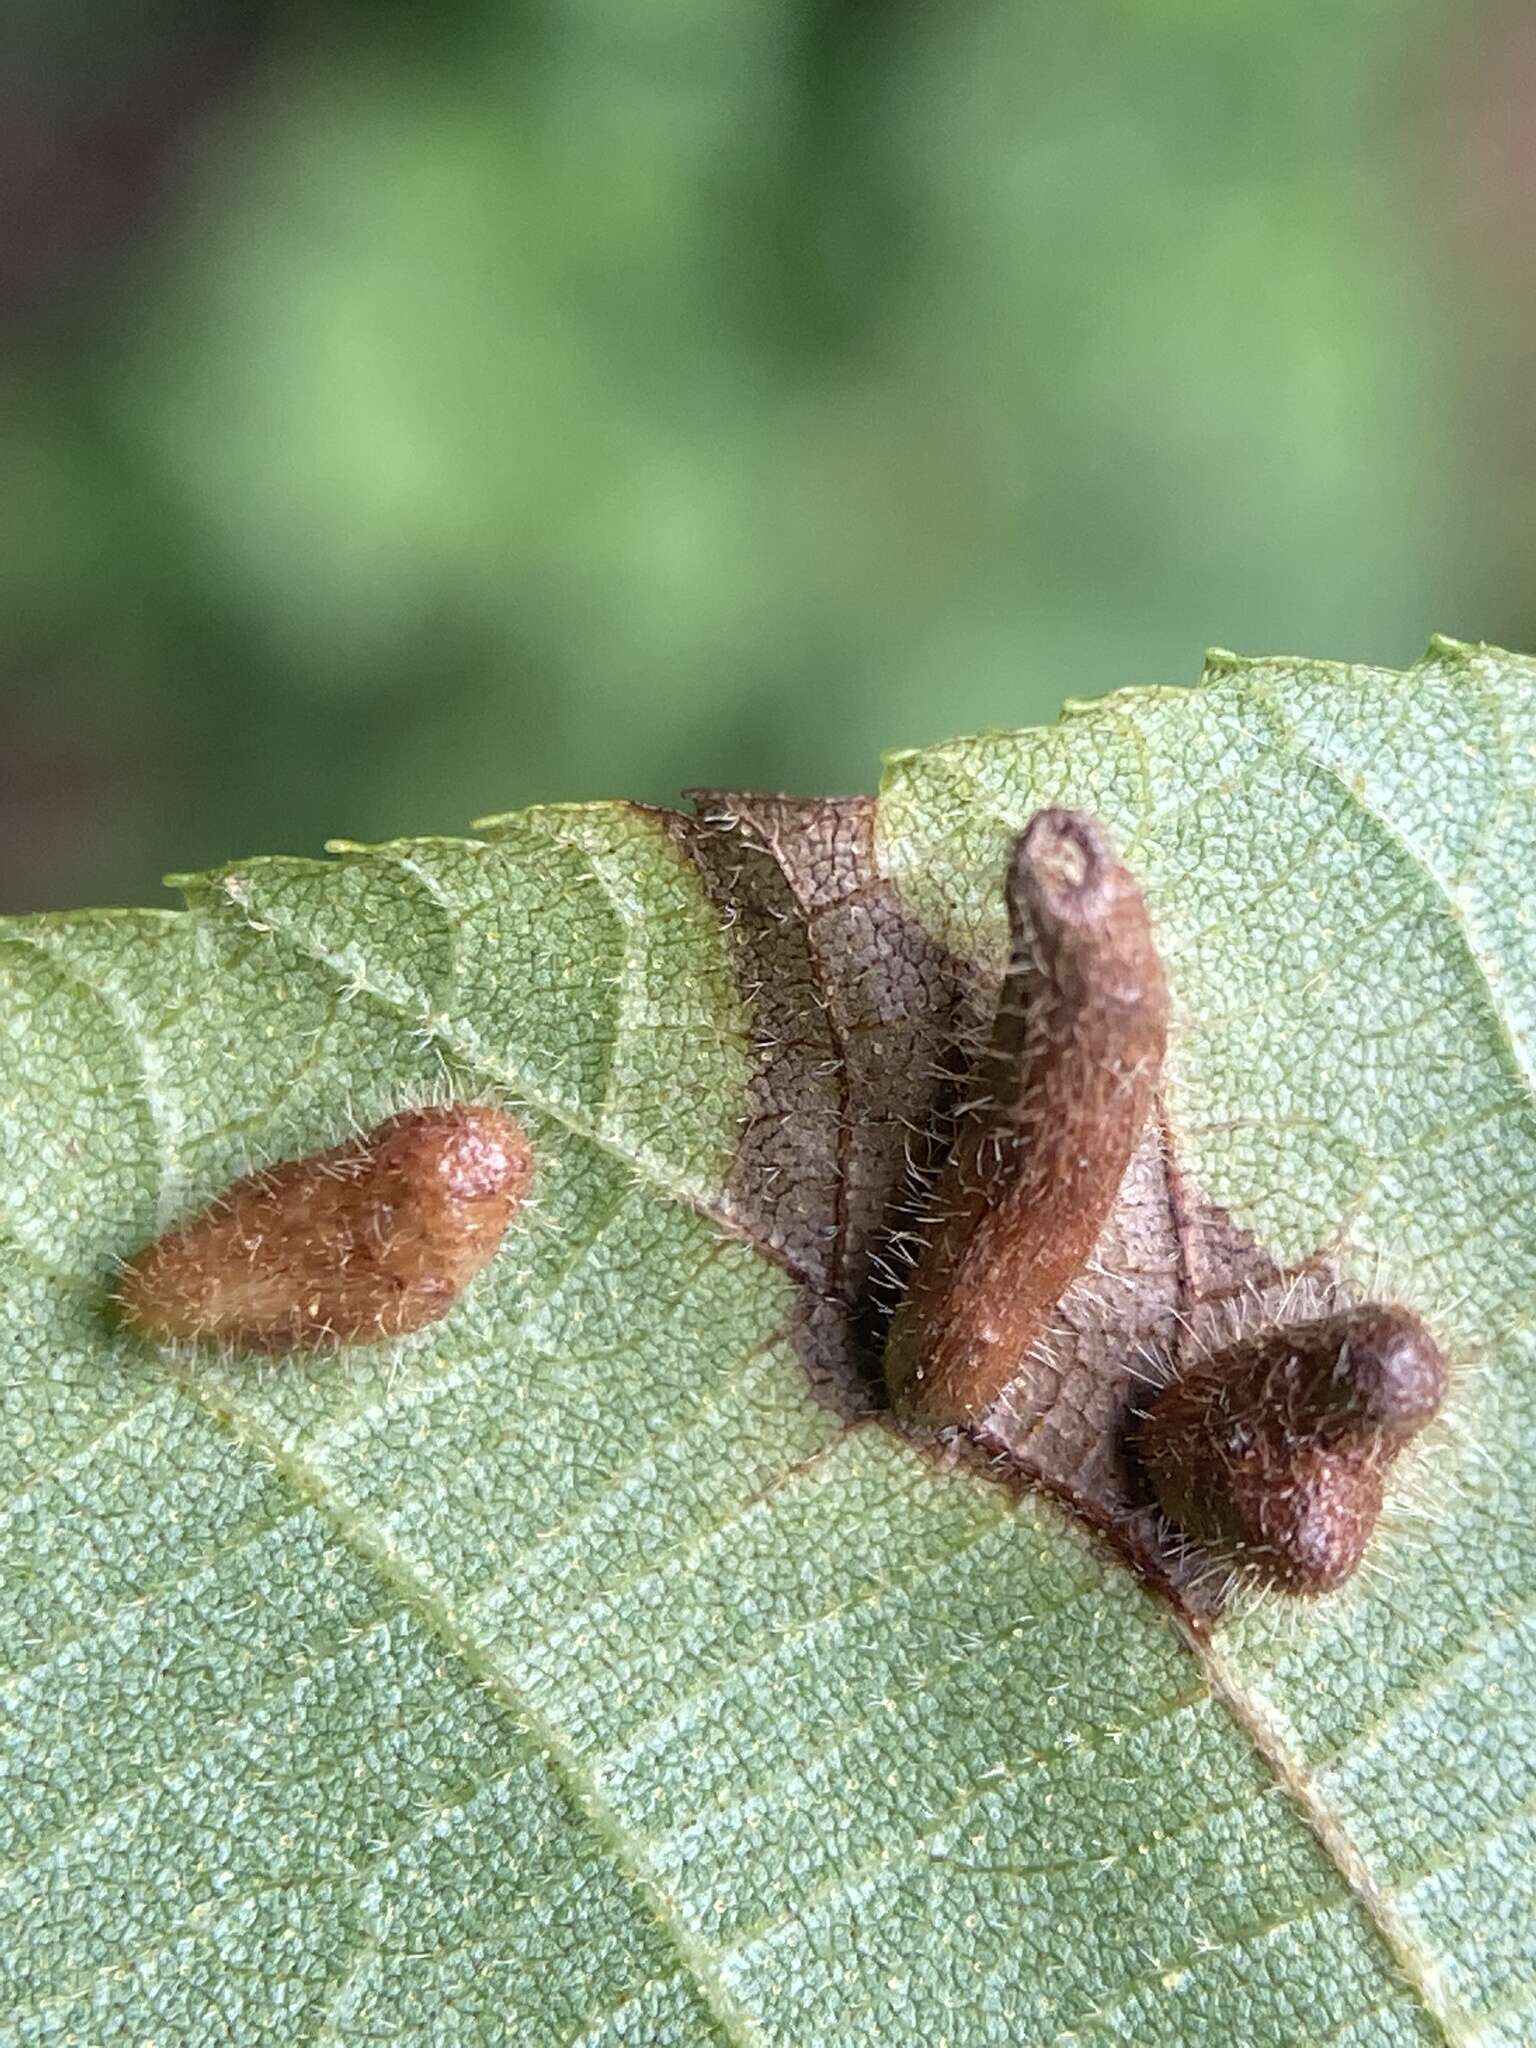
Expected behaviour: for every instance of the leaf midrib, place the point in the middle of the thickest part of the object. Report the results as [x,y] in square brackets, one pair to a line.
[1300,1785]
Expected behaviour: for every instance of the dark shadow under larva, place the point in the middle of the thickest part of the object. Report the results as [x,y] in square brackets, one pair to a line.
[1057,1105]
[1273,1453]
[368,1240]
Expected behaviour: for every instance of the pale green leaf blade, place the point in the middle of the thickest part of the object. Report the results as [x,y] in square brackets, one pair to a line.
[571,1676]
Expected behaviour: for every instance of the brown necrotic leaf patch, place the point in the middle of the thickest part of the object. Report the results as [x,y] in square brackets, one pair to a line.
[860,1023]
[867,1036]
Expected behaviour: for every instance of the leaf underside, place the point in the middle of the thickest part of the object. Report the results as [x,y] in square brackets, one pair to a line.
[592,1668]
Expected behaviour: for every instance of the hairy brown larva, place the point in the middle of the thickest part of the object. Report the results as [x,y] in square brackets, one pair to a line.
[1270,1455]
[371,1239]
[1058,1102]
[1273,1453]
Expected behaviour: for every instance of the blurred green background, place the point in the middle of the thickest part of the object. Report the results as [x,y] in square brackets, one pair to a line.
[412,411]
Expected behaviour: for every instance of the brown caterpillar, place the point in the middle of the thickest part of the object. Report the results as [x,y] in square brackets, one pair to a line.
[1060,1097]
[368,1240]
[1274,1451]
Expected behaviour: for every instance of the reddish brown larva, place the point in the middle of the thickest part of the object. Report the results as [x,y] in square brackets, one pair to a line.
[1273,1453]
[1059,1101]
[369,1240]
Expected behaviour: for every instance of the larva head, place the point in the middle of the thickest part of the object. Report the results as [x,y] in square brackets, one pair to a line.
[370,1239]
[1388,1378]
[1074,904]
[1274,1451]
[468,1153]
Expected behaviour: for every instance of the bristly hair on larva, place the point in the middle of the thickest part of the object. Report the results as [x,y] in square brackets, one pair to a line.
[1050,1117]
[369,1240]
[1271,1455]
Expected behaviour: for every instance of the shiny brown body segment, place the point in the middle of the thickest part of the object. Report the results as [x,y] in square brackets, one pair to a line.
[1058,1103]
[1273,1453]
[369,1240]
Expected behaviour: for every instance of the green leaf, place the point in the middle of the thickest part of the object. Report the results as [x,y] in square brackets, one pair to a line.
[569,1673]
